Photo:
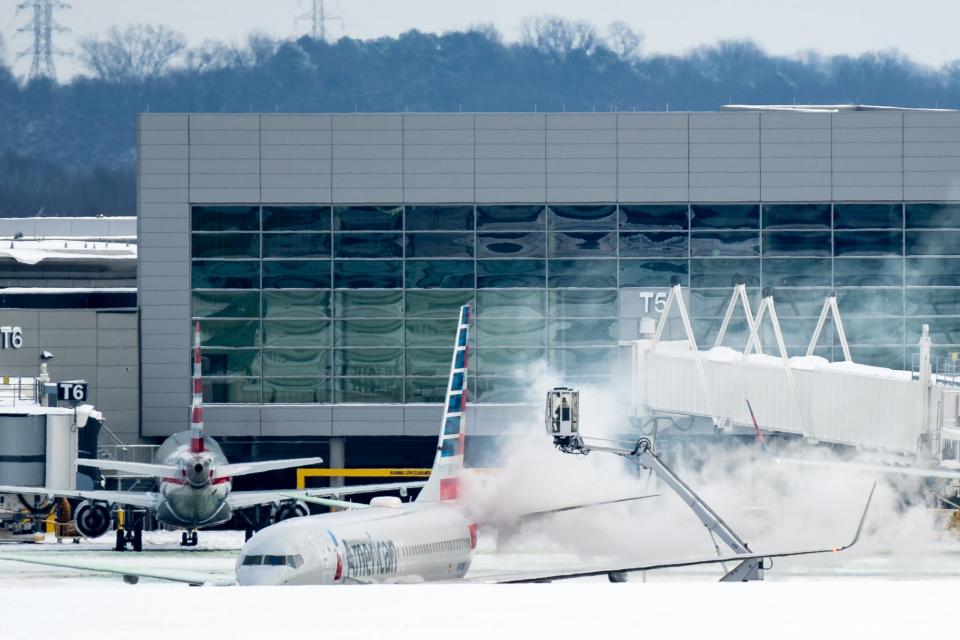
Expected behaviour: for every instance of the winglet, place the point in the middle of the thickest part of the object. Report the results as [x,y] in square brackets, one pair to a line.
[196,408]
[863,518]
[444,482]
[756,428]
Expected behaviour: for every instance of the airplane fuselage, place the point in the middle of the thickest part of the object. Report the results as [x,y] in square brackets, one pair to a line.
[196,497]
[403,543]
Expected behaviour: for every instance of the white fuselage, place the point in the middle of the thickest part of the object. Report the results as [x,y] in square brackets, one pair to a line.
[404,543]
[195,497]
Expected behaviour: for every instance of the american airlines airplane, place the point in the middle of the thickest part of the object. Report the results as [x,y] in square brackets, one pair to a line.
[194,484]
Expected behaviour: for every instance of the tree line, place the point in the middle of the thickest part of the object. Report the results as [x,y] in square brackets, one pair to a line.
[70,148]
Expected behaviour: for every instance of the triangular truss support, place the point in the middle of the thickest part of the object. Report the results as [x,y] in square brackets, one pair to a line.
[830,307]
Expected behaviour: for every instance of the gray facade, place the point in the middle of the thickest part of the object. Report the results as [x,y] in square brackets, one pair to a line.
[87,344]
[478,159]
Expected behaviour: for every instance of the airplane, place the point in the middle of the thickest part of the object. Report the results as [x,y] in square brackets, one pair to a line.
[194,482]
[430,539]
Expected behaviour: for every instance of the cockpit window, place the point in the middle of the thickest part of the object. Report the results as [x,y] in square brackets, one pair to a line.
[295,561]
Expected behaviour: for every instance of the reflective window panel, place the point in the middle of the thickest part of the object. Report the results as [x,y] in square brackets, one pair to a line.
[368,390]
[580,244]
[724,216]
[943,242]
[583,303]
[868,272]
[296,274]
[229,362]
[287,218]
[797,243]
[230,333]
[724,272]
[652,273]
[584,361]
[511,217]
[868,216]
[224,218]
[433,333]
[512,245]
[865,301]
[510,333]
[296,333]
[712,303]
[583,332]
[654,244]
[369,218]
[493,361]
[439,245]
[501,389]
[296,245]
[654,216]
[868,243]
[368,245]
[428,362]
[714,244]
[368,274]
[303,303]
[511,304]
[940,302]
[440,274]
[368,333]
[874,331]
[211,274]
[310,390]
[297,362]
[596,274]
[231,390]
[439,218]
[436,304]
[225,245]
[426,389]
[369,304]
[933,272]
[511,273]
[943,331]
[890,357]
[226,304]
[368,362]
[933,215]
[576,217]
[797,216]
[801,303]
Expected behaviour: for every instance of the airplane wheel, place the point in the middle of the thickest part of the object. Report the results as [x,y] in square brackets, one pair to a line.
[138,539]
[194,539]
[184,541]
[121,541]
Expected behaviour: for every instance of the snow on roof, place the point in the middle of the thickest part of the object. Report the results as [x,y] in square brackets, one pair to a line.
[58,290]
[822,108]
[34,251]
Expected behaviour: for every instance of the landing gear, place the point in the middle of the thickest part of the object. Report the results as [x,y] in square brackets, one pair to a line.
[130,531]
[189,538]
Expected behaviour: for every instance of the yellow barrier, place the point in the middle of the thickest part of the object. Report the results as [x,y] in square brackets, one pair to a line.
[303,474]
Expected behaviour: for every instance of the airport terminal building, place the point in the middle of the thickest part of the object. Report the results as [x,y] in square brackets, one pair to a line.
[326,255]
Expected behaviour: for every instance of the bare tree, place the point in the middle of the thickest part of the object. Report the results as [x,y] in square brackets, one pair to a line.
[139,52]
[558,36]
[623,40]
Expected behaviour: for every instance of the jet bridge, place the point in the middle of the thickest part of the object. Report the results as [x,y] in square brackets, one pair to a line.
[894,413]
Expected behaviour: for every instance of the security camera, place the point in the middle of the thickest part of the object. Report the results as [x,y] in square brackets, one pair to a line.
[46,355]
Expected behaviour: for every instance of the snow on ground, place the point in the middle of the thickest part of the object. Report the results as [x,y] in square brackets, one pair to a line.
[874,592]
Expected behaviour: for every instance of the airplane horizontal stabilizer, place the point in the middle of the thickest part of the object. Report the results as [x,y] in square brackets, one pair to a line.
[328,502]
[246,468]
[133,468]
[244,499]
[129,574]
[145,499]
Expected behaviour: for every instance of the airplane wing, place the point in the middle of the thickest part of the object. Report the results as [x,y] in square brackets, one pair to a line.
[547,576]
[243,499]
[134,468]
[146,499]
[130,575]
[328,502]
[246,468]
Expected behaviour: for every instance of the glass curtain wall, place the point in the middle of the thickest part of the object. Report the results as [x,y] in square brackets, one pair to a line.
[357,304]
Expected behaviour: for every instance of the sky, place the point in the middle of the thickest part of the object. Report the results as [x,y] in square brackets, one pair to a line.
[924,30]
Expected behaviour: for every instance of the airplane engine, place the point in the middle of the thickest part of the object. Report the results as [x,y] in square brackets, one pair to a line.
[291,510]
[92,518]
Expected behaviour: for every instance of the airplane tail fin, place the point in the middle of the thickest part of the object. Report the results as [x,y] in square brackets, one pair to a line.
[196,408]
[444,482]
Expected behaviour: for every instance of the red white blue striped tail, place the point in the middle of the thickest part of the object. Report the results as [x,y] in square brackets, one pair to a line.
[444,482]
[196,407]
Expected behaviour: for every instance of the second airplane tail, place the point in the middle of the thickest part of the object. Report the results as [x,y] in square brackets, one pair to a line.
[444,482]
[196,407]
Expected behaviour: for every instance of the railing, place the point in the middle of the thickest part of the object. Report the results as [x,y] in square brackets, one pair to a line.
[17,390]
[946,369]
[127,453]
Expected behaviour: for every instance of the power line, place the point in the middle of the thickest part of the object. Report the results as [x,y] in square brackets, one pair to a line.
[43,25]
[318,18]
